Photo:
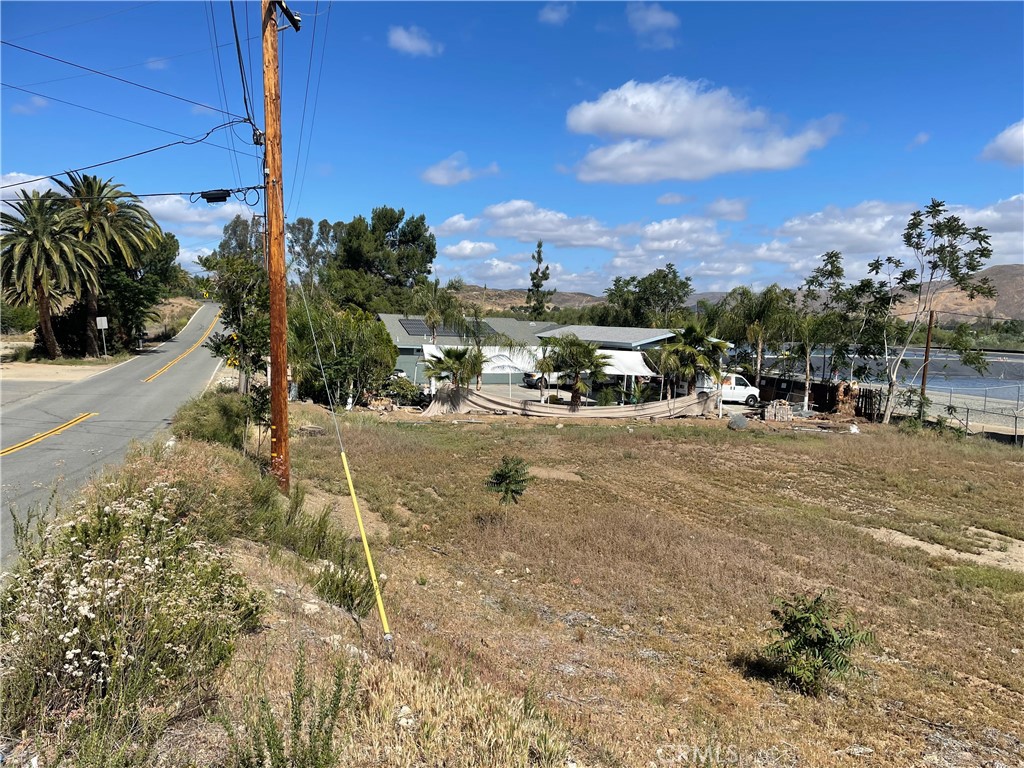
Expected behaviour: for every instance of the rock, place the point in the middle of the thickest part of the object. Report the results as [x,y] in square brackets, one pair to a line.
[559,426]
[311,430]
[737,422]
[310,609]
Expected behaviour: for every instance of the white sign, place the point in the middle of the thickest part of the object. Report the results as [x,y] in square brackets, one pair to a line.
[101,323]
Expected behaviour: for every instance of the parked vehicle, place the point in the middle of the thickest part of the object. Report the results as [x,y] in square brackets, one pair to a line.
[538,380]
[398,373]
[735,389]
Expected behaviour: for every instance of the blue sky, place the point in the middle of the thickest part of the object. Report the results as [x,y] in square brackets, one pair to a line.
[738,141]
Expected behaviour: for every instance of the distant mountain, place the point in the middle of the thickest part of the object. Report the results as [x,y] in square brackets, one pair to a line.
[1008,280]
[952,305]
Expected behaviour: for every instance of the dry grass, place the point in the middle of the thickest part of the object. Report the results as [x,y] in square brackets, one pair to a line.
[624,601]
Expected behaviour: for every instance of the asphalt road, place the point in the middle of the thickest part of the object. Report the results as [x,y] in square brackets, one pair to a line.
[117,406]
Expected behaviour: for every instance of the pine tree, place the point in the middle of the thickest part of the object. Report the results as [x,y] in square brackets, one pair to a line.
[536,297]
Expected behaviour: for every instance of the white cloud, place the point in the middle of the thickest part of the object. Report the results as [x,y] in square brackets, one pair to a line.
[920,140]
[195,220]
[468,249]
[681,129]
[30,107]
[22,182]
[671,198]
[455,225]
[413,41]
[524,221]
[652,24]
[730,209]
[555,14]
[1007,147]
[685,235]
[156,63]
[455,169]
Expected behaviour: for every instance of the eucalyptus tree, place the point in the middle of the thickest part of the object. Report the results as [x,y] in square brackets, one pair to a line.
[572,357]
[43,257]
[116,225]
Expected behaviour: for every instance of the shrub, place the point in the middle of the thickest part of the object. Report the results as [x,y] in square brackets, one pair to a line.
[21,319]
[308,737]
[509,479]
[606,396]
[815,640]
[214,417]
[114,613]
[401,391]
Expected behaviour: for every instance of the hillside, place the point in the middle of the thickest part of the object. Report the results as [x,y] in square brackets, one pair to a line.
[1008,303]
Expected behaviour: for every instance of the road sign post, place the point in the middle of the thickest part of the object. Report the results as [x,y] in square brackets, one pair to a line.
[101,323]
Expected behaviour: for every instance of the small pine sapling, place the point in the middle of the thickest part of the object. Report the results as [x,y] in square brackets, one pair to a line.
[509,479]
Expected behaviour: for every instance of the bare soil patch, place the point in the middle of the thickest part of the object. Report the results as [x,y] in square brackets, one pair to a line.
[344,514]
[553,473]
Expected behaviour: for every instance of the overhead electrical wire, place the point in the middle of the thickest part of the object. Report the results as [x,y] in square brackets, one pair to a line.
[316,101]
[148,62]
[119,117]
[193,196]
[241,65]
[211,26]
[305,100]
[83,21]
[193,102]
[186,142]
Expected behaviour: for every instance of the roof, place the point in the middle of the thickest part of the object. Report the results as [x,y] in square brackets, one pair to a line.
[612,337]
[398,325]
[524,331]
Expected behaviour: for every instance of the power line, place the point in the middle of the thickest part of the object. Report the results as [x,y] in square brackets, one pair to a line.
[241,65]
[150,62]
[119,117]
[193,196]
[305,99]
[83,22]
[222,93]
[316,100]
[120,79]
[187,142]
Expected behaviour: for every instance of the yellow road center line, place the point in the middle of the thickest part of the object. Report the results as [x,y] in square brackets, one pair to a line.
[43,435]
[186,352]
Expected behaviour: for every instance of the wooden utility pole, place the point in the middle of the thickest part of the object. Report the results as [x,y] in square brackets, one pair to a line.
[280,463]
[927,358]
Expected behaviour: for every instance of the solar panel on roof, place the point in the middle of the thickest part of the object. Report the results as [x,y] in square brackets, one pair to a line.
[415,326]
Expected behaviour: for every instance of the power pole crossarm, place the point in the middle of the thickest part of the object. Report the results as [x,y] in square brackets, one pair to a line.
[280,463]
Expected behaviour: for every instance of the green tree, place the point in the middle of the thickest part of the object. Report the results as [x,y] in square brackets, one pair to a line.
[116,225]
[655,300]
[240,285]
[43,257]
[454,364]
[574,358]
[760,318]
[439,305]
[692,351]
[376,263]
[536,297]
[509,480]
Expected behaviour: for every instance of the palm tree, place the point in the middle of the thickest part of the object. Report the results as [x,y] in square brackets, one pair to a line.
[696,351]
[116,224]
[453,364]
[810,331]
[43,257]
[439,305]
[762,316]
[573,357]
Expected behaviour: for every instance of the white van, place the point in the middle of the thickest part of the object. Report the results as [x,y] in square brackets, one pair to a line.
[735,389]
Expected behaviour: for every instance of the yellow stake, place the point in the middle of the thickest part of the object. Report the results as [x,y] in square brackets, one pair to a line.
[366,549]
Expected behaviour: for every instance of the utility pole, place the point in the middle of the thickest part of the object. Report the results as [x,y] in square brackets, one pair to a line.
[280,462]
[927,358]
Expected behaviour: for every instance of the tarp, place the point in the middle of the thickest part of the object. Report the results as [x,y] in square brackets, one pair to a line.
[503,360]
[626,363]
[498,359]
